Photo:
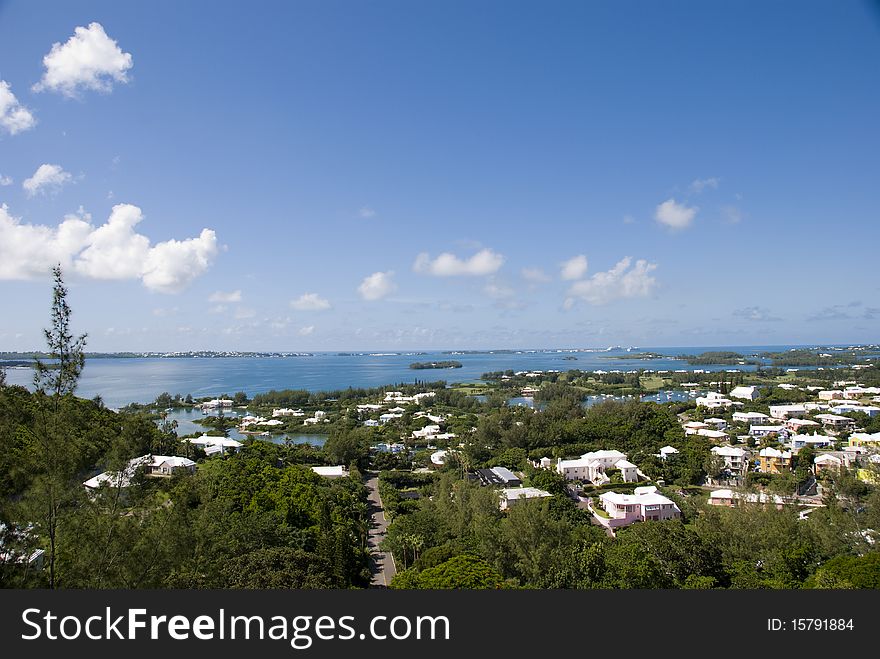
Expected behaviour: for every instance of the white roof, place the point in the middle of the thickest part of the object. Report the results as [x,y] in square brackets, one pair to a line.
[641,496]
[513,493]
[439,457]
[208,440]
[721,494]
[820,459]
[336,470]
[771,452]
[624,464]
[600,455]
[730,451]
[668,449]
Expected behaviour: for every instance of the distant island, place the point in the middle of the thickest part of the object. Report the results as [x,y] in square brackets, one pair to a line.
[637,355]
[426,365]
[724,357]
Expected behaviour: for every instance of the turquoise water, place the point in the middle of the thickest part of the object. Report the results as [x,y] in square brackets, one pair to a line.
[122,381]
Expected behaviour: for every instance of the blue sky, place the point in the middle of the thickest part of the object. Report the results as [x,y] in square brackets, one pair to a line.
[285,176]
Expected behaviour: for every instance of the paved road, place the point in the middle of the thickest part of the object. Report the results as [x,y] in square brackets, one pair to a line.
[381,563]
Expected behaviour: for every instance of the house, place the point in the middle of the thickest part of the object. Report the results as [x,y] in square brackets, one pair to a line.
[865,440]
[153,465]
[713,400]
[816,441]
[426,432]
[718,424]
[774,461]
[836,422]
[285,411]
[787,411]
[760,497]
[336,471]
[763,431]
[644,504]
[592,466]
[371,423]
[666,451]
[846,408]
[830,394]
[214,445]
[735,458]
[745,393]
[389,416]
[16,547]
[498,476]
[512,495]
[438,458]
[715,435]
[721,498]
[217,402]
[796,425]
[694,427]
[827,462]
[750,417]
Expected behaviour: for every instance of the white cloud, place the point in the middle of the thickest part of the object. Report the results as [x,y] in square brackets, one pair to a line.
[6,180]
[243,312]
[535,275]
[47,179]
[89,60]
[305,331]
[14,117]
[675,215]
[573,268]
[484,262]
[310,302]
[498,290]
[366,212]
[621,281]
[218,308]
[111,251]
[224,297]
[377,285]
[701,184]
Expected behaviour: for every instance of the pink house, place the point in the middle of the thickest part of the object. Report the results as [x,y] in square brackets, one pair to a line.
[644,504]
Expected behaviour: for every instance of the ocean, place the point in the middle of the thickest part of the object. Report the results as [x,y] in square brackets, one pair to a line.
[120,381]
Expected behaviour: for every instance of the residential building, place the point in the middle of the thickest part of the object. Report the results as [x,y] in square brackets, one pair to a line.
[592,467]
[865,440]
[499,476]
[718,424]
[714,435]
[153,465]
[796,425]
[774,461]
[721,498]
[215,445]
[745,393]
[666,451]
[816,441]
[750,417]
[835,421]
[735,458]
[335,471]
[787,411]
[644,504]
[830,394]
[763,431]
[512,495]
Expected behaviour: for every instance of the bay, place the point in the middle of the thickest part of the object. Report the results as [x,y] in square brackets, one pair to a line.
[120,381]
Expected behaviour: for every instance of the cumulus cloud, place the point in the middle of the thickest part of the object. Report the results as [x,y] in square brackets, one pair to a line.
[757,314]
[621,281]
[484,262]
[89,60]
[111,251]
[47,179]
[366,212]
[310,302]
[377,285]
[305,331]
[574,268]
[535,275]
[675,215]
[225,297]
[6,180]
[14,117]
[701,184]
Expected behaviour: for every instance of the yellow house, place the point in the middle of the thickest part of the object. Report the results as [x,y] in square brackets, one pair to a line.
[774,461]
[865,440]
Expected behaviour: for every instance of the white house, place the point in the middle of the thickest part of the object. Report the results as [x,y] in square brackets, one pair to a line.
[336,471]
[797,425]
[846,408]
[763,431]
[509,496]
[592,466]
[153,465]
[286,411]
[835,421]
[694,427]
[715,435]
[745,393]
[734,457]
[438,458]
[213,445]
[750,417]
[713,400]
[666,451]
[816,441]
[830,394]
[787,411]
[718,424]
[644,504]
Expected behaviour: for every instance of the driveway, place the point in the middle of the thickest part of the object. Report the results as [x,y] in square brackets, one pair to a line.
[381,562]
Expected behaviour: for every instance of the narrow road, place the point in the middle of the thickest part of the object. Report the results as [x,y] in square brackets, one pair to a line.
[381,563]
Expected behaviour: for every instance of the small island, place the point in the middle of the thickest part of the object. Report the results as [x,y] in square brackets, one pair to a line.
[443,364]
